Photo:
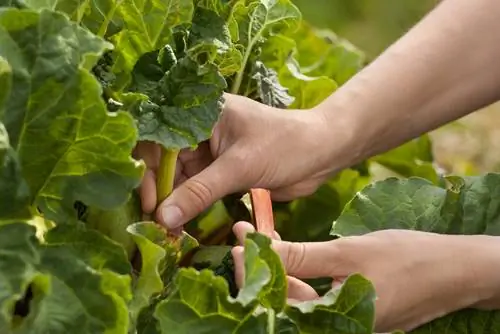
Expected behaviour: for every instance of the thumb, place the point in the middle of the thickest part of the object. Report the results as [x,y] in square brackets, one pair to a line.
[197,193]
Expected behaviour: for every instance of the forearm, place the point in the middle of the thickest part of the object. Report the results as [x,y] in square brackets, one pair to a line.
[444,68]
[484,271]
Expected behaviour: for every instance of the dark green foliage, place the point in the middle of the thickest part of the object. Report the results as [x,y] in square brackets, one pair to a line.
[226,269]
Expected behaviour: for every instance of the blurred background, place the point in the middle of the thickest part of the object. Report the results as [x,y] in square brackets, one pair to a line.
[467,146]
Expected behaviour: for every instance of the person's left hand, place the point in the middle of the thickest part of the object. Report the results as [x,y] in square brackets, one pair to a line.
[418,276]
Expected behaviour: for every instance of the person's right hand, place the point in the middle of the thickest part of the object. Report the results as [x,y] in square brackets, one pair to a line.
[253,145]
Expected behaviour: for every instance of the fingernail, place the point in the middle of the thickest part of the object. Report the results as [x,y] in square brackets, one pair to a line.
[171,216]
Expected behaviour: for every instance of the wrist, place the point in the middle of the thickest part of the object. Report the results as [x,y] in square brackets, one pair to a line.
[485,271]
[342,140]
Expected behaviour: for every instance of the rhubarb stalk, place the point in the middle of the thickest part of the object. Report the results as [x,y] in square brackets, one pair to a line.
[262,211]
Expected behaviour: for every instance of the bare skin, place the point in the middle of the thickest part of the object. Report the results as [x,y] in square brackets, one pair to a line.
[444,68]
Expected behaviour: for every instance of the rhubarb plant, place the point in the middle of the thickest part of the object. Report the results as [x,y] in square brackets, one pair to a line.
[81,83]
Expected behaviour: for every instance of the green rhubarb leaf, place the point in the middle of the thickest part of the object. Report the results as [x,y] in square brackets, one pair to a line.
[160,253]
[277,50]
[149,238]
[148,73]
[14,192]
[201,304]
[259,19]
[147,26]
[218,40]
[208,222]
[54,105]
[279,53]
[186,108]
[463,322]
[256,21]
[92,247]
[265,277]
[98,16]
[65,294]
[223,8]
[308,91]
[348,310]
[311,63]
[468,205]
[209,256]
[229,62]
[113,223]
[271,92]
[208,34]
[201,300]
[11,3]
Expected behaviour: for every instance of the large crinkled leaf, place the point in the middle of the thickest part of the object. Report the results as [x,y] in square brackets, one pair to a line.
[229,62]
[211,36]
[468,206]
[147,26]
[113,223]
[14,192]
[200,304]
[98,16]
[208,33]
[260,18]
[92,247]
[54,106]
[463,322]
[64,293]
[308,91]
[279,52]
[257,20]
[159,256]
[149,282]
[310,63]
[185,108]
[265,277]
[349,310]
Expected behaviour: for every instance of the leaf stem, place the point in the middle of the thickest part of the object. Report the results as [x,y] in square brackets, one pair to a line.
[166,173]
[239,76]
[271,318]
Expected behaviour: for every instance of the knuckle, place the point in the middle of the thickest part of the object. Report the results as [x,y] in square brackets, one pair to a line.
[296,254]
[200,193]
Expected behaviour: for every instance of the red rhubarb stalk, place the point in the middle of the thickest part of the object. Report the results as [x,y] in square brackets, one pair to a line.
[262,211]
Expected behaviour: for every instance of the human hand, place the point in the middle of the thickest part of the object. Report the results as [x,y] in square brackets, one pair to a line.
[418,276]
[253,145]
